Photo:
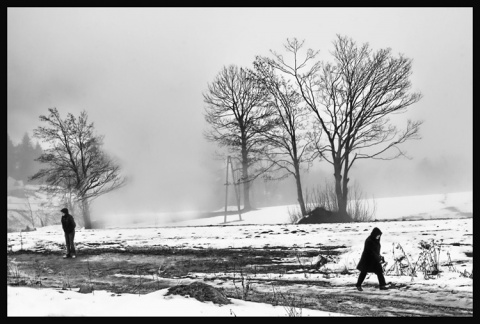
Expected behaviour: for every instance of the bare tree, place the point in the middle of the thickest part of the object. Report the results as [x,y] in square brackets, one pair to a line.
[289,143]
[237,115]
[352,100]
[76,163]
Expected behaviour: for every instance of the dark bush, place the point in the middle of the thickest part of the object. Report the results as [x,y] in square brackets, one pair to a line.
[320,216]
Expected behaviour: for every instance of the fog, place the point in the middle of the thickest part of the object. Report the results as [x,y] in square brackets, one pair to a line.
[140,74]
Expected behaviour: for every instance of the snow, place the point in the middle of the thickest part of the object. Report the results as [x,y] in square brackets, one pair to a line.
[24,301]
[405,222]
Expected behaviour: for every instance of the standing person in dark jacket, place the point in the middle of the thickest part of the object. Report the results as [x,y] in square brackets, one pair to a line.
[371,260]
[68,224]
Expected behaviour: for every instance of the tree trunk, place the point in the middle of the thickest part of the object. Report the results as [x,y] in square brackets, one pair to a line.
[42,224]
[341,197]
[86,214]
[343,211]
[342,206]
[341,201]
[341,191]
[300,199]
[246,181]
[246,188]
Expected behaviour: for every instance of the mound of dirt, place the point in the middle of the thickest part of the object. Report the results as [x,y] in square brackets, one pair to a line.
[201,292]
[320,216]
[85,289]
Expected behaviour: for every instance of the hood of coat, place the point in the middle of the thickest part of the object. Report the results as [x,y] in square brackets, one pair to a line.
[375,232]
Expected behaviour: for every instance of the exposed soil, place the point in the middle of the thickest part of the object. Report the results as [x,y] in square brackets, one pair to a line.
[234,272]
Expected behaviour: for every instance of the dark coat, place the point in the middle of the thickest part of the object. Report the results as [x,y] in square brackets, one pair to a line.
[371,258]
[68,223]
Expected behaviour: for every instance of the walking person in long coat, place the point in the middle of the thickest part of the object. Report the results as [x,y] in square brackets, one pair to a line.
[371,260]
[68,225]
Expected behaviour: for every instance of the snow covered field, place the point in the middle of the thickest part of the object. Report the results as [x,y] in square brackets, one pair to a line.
[406,222]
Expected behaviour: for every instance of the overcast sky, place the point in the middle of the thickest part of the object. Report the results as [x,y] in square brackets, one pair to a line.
[140,74]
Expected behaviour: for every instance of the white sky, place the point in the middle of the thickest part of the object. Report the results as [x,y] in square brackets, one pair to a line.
[140,74]
[270,226]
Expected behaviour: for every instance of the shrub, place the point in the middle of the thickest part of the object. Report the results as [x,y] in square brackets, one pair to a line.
[323,204]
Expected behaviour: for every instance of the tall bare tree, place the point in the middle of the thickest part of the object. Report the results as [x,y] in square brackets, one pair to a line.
[237,115]
[76,163]
[290,144]
[352,100]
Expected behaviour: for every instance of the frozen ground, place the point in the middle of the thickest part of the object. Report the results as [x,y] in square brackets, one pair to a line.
[407,223]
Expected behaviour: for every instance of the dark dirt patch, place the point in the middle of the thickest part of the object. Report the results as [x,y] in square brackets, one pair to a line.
[144,270]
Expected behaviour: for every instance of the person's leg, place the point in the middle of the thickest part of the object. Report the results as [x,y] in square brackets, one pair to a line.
[67,244]
[361,278]
[381,279]
[72,243]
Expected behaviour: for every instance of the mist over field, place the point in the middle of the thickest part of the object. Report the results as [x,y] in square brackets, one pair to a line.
[140,74]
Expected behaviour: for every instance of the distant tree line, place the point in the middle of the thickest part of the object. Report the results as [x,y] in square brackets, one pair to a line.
[21,162]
